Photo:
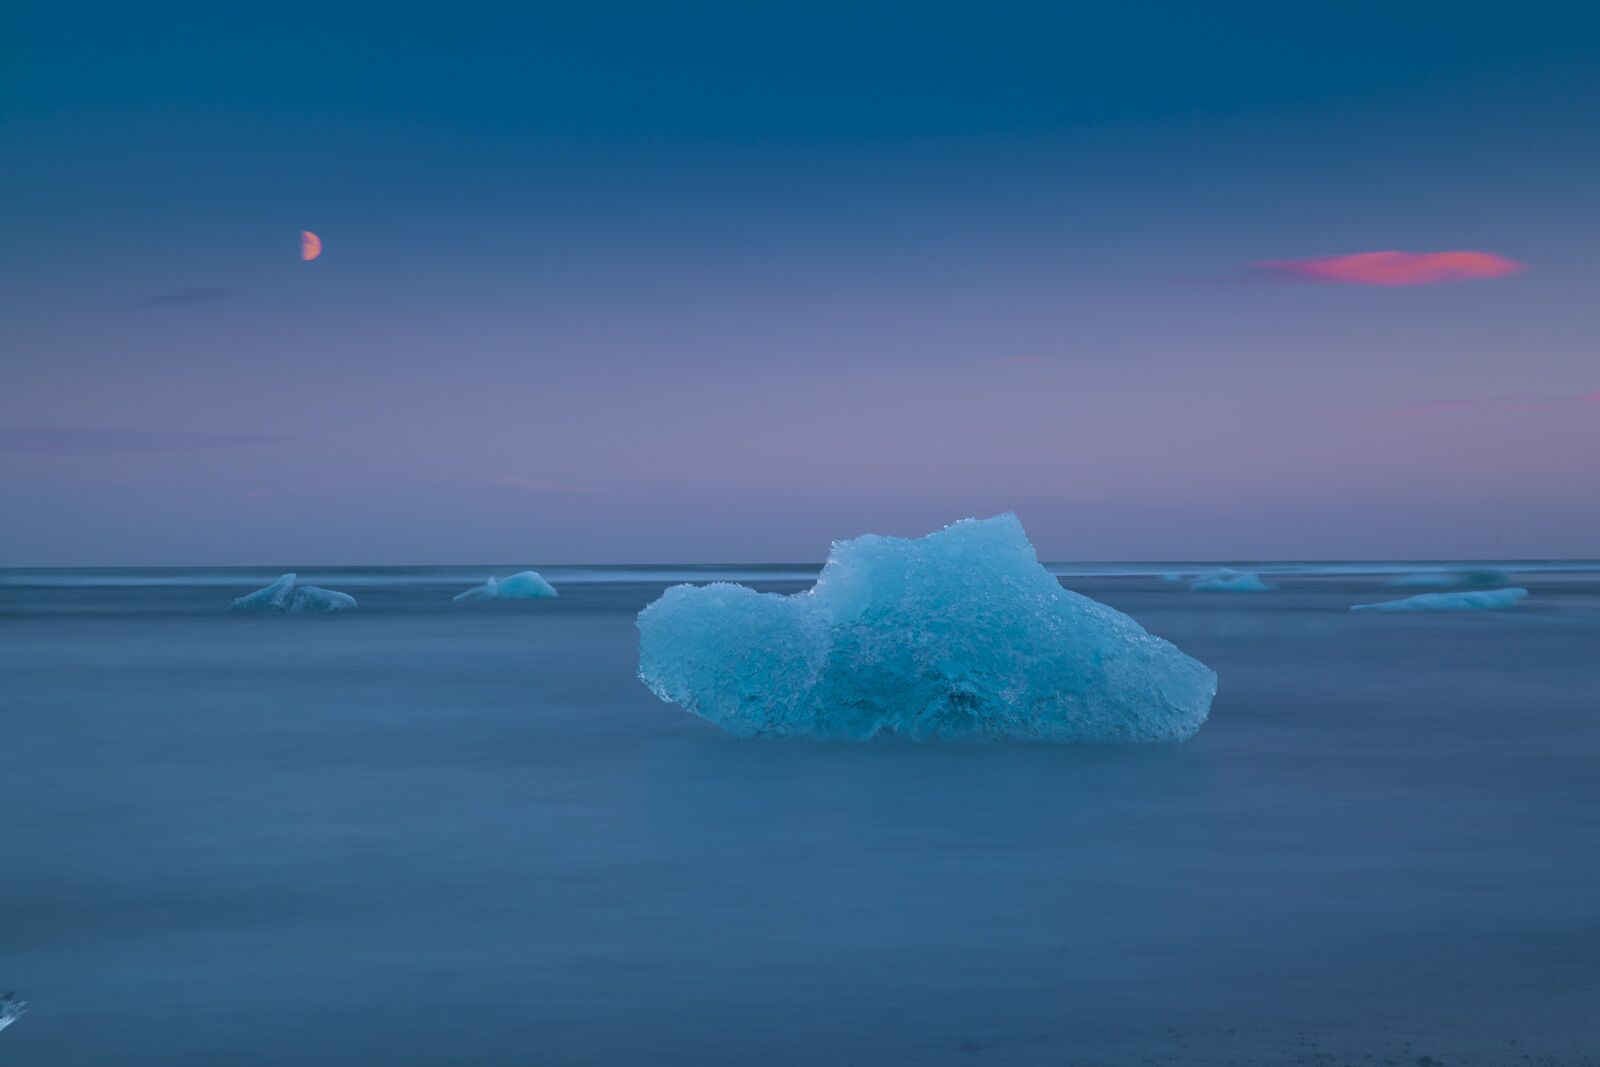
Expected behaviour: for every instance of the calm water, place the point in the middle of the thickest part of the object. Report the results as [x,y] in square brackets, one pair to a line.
[428,834]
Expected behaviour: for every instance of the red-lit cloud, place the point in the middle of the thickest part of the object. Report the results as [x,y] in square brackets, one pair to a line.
[1392,268]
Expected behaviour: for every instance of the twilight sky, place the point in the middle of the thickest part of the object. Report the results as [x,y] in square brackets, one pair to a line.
[613,282]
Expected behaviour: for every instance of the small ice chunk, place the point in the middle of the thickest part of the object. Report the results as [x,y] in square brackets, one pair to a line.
[11,1009]
[957,634]
[524,585]
[1228,580]
[282,596]
[1475,600]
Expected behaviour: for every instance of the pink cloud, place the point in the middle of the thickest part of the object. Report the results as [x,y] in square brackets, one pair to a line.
[1392,268]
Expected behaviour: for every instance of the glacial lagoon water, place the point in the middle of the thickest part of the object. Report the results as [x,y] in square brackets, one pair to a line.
[436,833]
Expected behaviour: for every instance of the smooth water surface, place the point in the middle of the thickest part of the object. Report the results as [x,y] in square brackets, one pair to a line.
[430,833]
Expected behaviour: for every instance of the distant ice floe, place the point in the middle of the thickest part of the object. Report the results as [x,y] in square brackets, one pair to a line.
[524,585]
[1228,580]
[1475,600]
[959,634]
[283,597]
[11,1009]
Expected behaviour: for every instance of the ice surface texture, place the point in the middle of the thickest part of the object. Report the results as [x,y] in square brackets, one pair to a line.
[282,596]
[1224,580]
[10,1009]
[958,634]
[1476,600]
[524,585]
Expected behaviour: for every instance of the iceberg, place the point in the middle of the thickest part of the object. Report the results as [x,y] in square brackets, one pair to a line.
[274,597]
[959,634]
[283,596]
[1227,580]
[10,1009]
[1475,600]
[524,585]
[316,598]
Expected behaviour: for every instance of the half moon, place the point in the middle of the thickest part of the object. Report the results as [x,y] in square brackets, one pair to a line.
[310,245]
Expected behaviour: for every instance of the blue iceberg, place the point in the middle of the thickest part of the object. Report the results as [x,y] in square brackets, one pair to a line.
[1227,580]
[1476,600]
[958,634]
[317,599]
[524,585]
[283,596]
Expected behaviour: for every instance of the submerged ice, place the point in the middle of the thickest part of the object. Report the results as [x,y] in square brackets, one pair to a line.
[1476,600]
[957,634]
[10,1009]
[284,596]
[524,585]
[1227,580]
[1438,579]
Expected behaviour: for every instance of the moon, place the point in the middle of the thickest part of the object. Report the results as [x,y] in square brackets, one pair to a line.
[310,245]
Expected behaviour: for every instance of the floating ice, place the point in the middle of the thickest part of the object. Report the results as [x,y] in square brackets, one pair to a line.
[1227,580]
[524,585]
[283,596]
[958,634]
[10,1009]
[1475,600]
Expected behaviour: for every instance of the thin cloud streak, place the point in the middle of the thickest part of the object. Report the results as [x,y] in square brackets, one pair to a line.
[538,485]
[1498,403]
[1389,269]
[75,441]
[198,294]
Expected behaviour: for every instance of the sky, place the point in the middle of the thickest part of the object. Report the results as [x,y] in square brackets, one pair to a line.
[629,283]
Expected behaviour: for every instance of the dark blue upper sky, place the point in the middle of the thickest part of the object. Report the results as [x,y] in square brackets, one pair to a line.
[627,282]
[698,74]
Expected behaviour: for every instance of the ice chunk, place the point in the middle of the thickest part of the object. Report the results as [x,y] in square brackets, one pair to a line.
[958,634]
[524,585]
[1475,600]
[1227,580]
[10,1009]
[283,596]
